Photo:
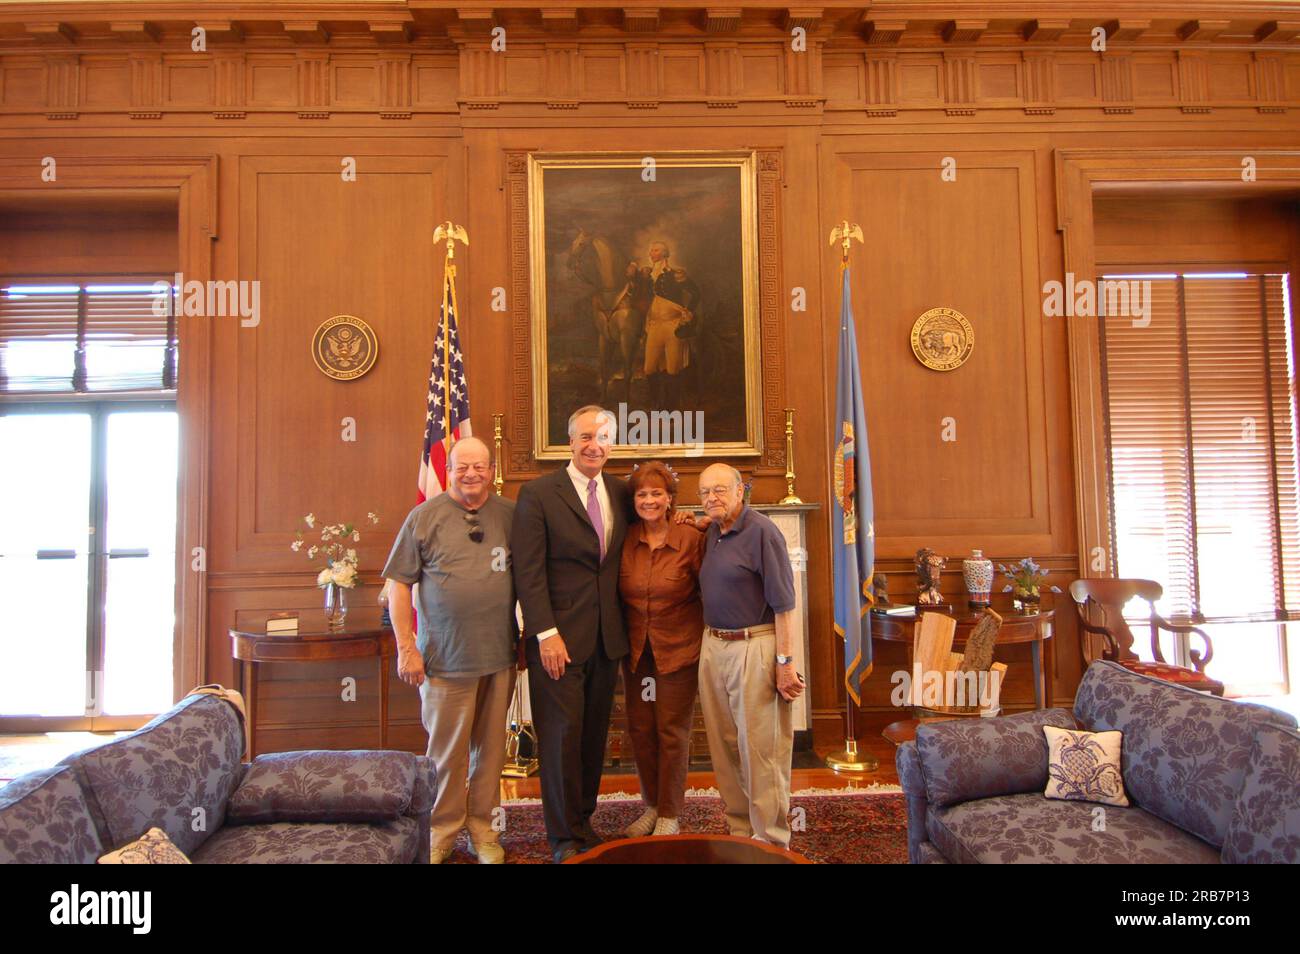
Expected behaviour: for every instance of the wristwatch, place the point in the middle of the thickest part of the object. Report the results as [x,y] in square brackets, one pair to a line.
[784,660]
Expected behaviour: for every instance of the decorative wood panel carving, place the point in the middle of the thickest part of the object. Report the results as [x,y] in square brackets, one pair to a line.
[63,87]
[146,86]
[284,409]
[882,84]
[960,83]
[563,73]
[911,262]
[313,85]
[230,82]
[1117,83]
[1040,86]
[395,86]
[1270,82]
[519,423]
[771,310]
[1193,83]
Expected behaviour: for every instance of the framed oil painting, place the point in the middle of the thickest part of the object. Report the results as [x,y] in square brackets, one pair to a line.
[644,297]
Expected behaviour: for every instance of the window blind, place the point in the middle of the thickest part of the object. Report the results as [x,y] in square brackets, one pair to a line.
[1201,432]
[85,337]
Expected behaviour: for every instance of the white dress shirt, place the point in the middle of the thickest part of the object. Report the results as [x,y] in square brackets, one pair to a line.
[580,481]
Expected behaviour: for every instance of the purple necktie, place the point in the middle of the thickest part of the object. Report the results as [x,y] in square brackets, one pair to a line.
[593,511]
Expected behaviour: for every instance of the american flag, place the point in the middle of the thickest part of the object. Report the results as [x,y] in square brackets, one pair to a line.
[447,404]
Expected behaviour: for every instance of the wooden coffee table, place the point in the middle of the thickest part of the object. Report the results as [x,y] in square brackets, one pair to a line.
[688,850]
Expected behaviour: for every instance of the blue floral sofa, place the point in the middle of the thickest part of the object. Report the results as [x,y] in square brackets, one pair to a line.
[1209,780]
[182,773]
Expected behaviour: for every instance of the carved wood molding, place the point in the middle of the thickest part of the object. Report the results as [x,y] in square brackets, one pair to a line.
[1046,81]
[519,421]
[771,313]
[639,73]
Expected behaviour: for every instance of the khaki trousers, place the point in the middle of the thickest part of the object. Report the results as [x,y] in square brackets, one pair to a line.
[751,735]
[466,722]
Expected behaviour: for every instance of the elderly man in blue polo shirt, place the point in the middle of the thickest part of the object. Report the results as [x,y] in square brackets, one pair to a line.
[747,677]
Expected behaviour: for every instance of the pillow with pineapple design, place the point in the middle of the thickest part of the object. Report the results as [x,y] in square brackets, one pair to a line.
[1084,766]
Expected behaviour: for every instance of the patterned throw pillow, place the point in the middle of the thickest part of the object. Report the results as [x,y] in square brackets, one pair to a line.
[151,848]
[1084,766]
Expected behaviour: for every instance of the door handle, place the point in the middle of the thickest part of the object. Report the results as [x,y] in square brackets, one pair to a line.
[56,554]
[124,554]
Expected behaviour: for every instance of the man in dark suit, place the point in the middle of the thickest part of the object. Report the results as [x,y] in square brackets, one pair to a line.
[566,545]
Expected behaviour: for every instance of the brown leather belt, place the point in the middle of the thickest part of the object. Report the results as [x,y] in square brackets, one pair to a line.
[732,635]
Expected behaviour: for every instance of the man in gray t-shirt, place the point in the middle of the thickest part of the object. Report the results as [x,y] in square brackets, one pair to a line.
[456,546]
[466,597]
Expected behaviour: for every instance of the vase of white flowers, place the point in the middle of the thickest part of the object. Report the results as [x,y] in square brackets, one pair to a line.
[339,574]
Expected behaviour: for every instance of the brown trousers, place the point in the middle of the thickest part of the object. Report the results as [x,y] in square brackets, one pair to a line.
[660,727]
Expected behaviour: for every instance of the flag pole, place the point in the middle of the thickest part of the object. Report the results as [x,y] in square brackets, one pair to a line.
[452,233]
[849,759]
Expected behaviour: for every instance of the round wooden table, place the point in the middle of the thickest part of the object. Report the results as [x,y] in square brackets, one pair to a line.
[1034,628]
[688,850]
[362,636]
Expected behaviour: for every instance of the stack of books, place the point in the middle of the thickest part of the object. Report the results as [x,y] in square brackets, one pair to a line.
[896,609]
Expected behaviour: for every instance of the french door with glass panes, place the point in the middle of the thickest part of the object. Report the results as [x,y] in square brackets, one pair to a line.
[87,563]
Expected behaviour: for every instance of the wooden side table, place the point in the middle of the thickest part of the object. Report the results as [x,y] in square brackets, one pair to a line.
[363,635]
[1034,628]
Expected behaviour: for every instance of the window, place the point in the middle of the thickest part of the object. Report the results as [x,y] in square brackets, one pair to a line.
[82,337]
[1201,433]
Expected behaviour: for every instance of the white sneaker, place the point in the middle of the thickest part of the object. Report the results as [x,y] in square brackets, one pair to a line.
[667,826]
[488,853]
[643,825]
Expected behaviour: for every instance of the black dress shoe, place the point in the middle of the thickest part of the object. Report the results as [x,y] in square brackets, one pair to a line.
[589,839]
[564,854]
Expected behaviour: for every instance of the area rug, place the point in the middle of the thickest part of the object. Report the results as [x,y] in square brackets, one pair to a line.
[845,827]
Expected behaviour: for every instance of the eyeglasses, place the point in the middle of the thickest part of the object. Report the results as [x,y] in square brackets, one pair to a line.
[707,492]
[475,528]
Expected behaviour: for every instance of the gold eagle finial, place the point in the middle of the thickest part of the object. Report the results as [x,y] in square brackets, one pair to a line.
[450,233]
[844,233]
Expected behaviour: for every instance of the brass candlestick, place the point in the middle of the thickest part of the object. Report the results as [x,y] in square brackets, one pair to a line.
[499,481]
[790,496]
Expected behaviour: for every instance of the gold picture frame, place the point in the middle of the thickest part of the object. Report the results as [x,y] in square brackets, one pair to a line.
[724,344]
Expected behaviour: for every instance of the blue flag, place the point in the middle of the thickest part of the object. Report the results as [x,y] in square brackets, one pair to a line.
[853,532]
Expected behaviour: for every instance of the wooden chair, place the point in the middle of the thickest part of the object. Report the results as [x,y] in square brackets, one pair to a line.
[1107,598]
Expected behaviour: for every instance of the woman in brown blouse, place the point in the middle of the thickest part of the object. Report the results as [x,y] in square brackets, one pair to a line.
[659,582]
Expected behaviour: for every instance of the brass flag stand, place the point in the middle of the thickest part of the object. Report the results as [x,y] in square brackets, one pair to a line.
[849,759]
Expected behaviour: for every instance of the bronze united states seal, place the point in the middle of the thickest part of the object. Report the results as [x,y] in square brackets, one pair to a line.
[344,347]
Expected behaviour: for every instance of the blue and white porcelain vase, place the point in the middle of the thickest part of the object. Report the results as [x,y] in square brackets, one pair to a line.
[978,573]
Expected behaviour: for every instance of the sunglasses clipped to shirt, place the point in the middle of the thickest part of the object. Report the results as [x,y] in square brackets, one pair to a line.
[475,528]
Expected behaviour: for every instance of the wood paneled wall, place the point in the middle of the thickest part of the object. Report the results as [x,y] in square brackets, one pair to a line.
[859,125]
